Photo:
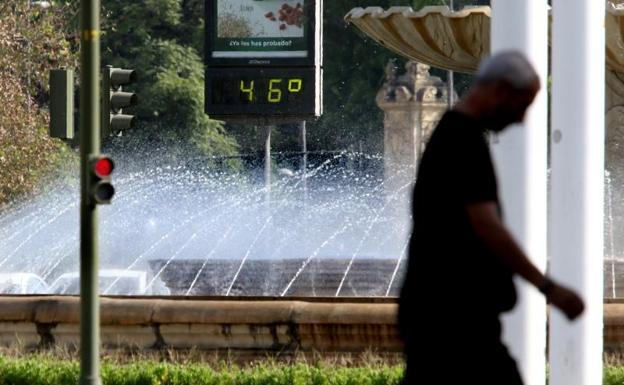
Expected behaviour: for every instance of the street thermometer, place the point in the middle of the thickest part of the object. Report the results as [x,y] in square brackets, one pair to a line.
[263,59]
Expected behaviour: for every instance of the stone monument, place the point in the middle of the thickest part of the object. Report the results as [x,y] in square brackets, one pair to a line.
[413,104]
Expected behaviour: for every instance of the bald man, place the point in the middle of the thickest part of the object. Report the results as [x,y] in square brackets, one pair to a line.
[462,259]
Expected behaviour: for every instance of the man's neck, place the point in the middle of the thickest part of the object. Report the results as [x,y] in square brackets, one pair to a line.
[472,106]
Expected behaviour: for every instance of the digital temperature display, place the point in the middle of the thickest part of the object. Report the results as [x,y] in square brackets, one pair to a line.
[258,91]
[261,92]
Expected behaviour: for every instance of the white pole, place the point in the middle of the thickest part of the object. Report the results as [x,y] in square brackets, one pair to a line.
[450,76]
[578,185]
[520,155]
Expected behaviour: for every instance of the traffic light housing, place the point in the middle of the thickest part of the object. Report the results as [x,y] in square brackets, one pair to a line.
[62,103]
[101,190]
[114,99]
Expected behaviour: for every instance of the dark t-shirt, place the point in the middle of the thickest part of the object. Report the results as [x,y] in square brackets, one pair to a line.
[453,281]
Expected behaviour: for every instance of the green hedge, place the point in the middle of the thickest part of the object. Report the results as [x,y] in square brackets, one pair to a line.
[614,376]
[45,371]
[38,371]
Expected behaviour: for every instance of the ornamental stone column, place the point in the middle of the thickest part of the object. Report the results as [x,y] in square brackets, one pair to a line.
[413,104]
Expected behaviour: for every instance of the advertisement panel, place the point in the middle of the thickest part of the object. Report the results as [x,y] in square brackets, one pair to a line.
[261,28]
[263,59]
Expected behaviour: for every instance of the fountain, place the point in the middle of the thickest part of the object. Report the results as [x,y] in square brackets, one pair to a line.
[206,231]
[337,229]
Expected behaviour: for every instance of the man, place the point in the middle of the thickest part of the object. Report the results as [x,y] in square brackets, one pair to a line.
[462,258]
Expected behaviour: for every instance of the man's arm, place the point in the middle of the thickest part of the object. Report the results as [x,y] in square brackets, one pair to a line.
[485,221]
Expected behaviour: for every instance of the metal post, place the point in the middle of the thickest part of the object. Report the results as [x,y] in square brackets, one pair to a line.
[89,145]
[451,89]
[304,163]
[578,123]
[521,158]
[450,76]
[267,164]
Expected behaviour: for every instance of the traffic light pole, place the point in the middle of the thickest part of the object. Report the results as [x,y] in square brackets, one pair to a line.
[89,145]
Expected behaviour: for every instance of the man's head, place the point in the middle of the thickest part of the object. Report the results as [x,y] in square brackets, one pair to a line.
[504,88]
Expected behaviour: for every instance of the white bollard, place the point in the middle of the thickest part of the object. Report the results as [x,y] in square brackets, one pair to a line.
[520,156]
[578,79]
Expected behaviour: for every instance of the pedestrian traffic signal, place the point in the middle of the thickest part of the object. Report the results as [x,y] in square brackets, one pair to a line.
[101,190]
[114,100]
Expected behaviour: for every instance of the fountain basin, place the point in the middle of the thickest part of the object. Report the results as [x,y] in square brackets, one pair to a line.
[241,326]
[238,325]
[365,277]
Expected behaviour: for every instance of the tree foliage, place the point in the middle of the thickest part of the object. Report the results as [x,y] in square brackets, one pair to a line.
[353,66]
[159,38]
[353,73]
[32,41]
[163,41]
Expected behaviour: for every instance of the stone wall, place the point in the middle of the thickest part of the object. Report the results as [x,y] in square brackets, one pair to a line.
[238,325]
[241,326]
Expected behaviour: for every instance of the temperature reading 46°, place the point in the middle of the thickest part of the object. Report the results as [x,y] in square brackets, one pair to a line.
[262,92]
[270,91]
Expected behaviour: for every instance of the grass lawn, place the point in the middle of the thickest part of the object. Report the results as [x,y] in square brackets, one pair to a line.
[196,368]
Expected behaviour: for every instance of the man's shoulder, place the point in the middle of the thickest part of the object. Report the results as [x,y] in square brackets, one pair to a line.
[459,128]
[454,118]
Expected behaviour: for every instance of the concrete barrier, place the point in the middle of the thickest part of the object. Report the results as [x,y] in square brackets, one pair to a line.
[239,324]
[245,325]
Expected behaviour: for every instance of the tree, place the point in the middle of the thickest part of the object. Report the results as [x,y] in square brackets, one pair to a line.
[32,41]
[353,73]
[159,39]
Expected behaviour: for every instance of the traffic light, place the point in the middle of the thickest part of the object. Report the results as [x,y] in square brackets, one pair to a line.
[101,190]
[62,103]
[114,100]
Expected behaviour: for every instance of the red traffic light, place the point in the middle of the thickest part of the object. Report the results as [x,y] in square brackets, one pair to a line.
[101,190]
[103,167]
